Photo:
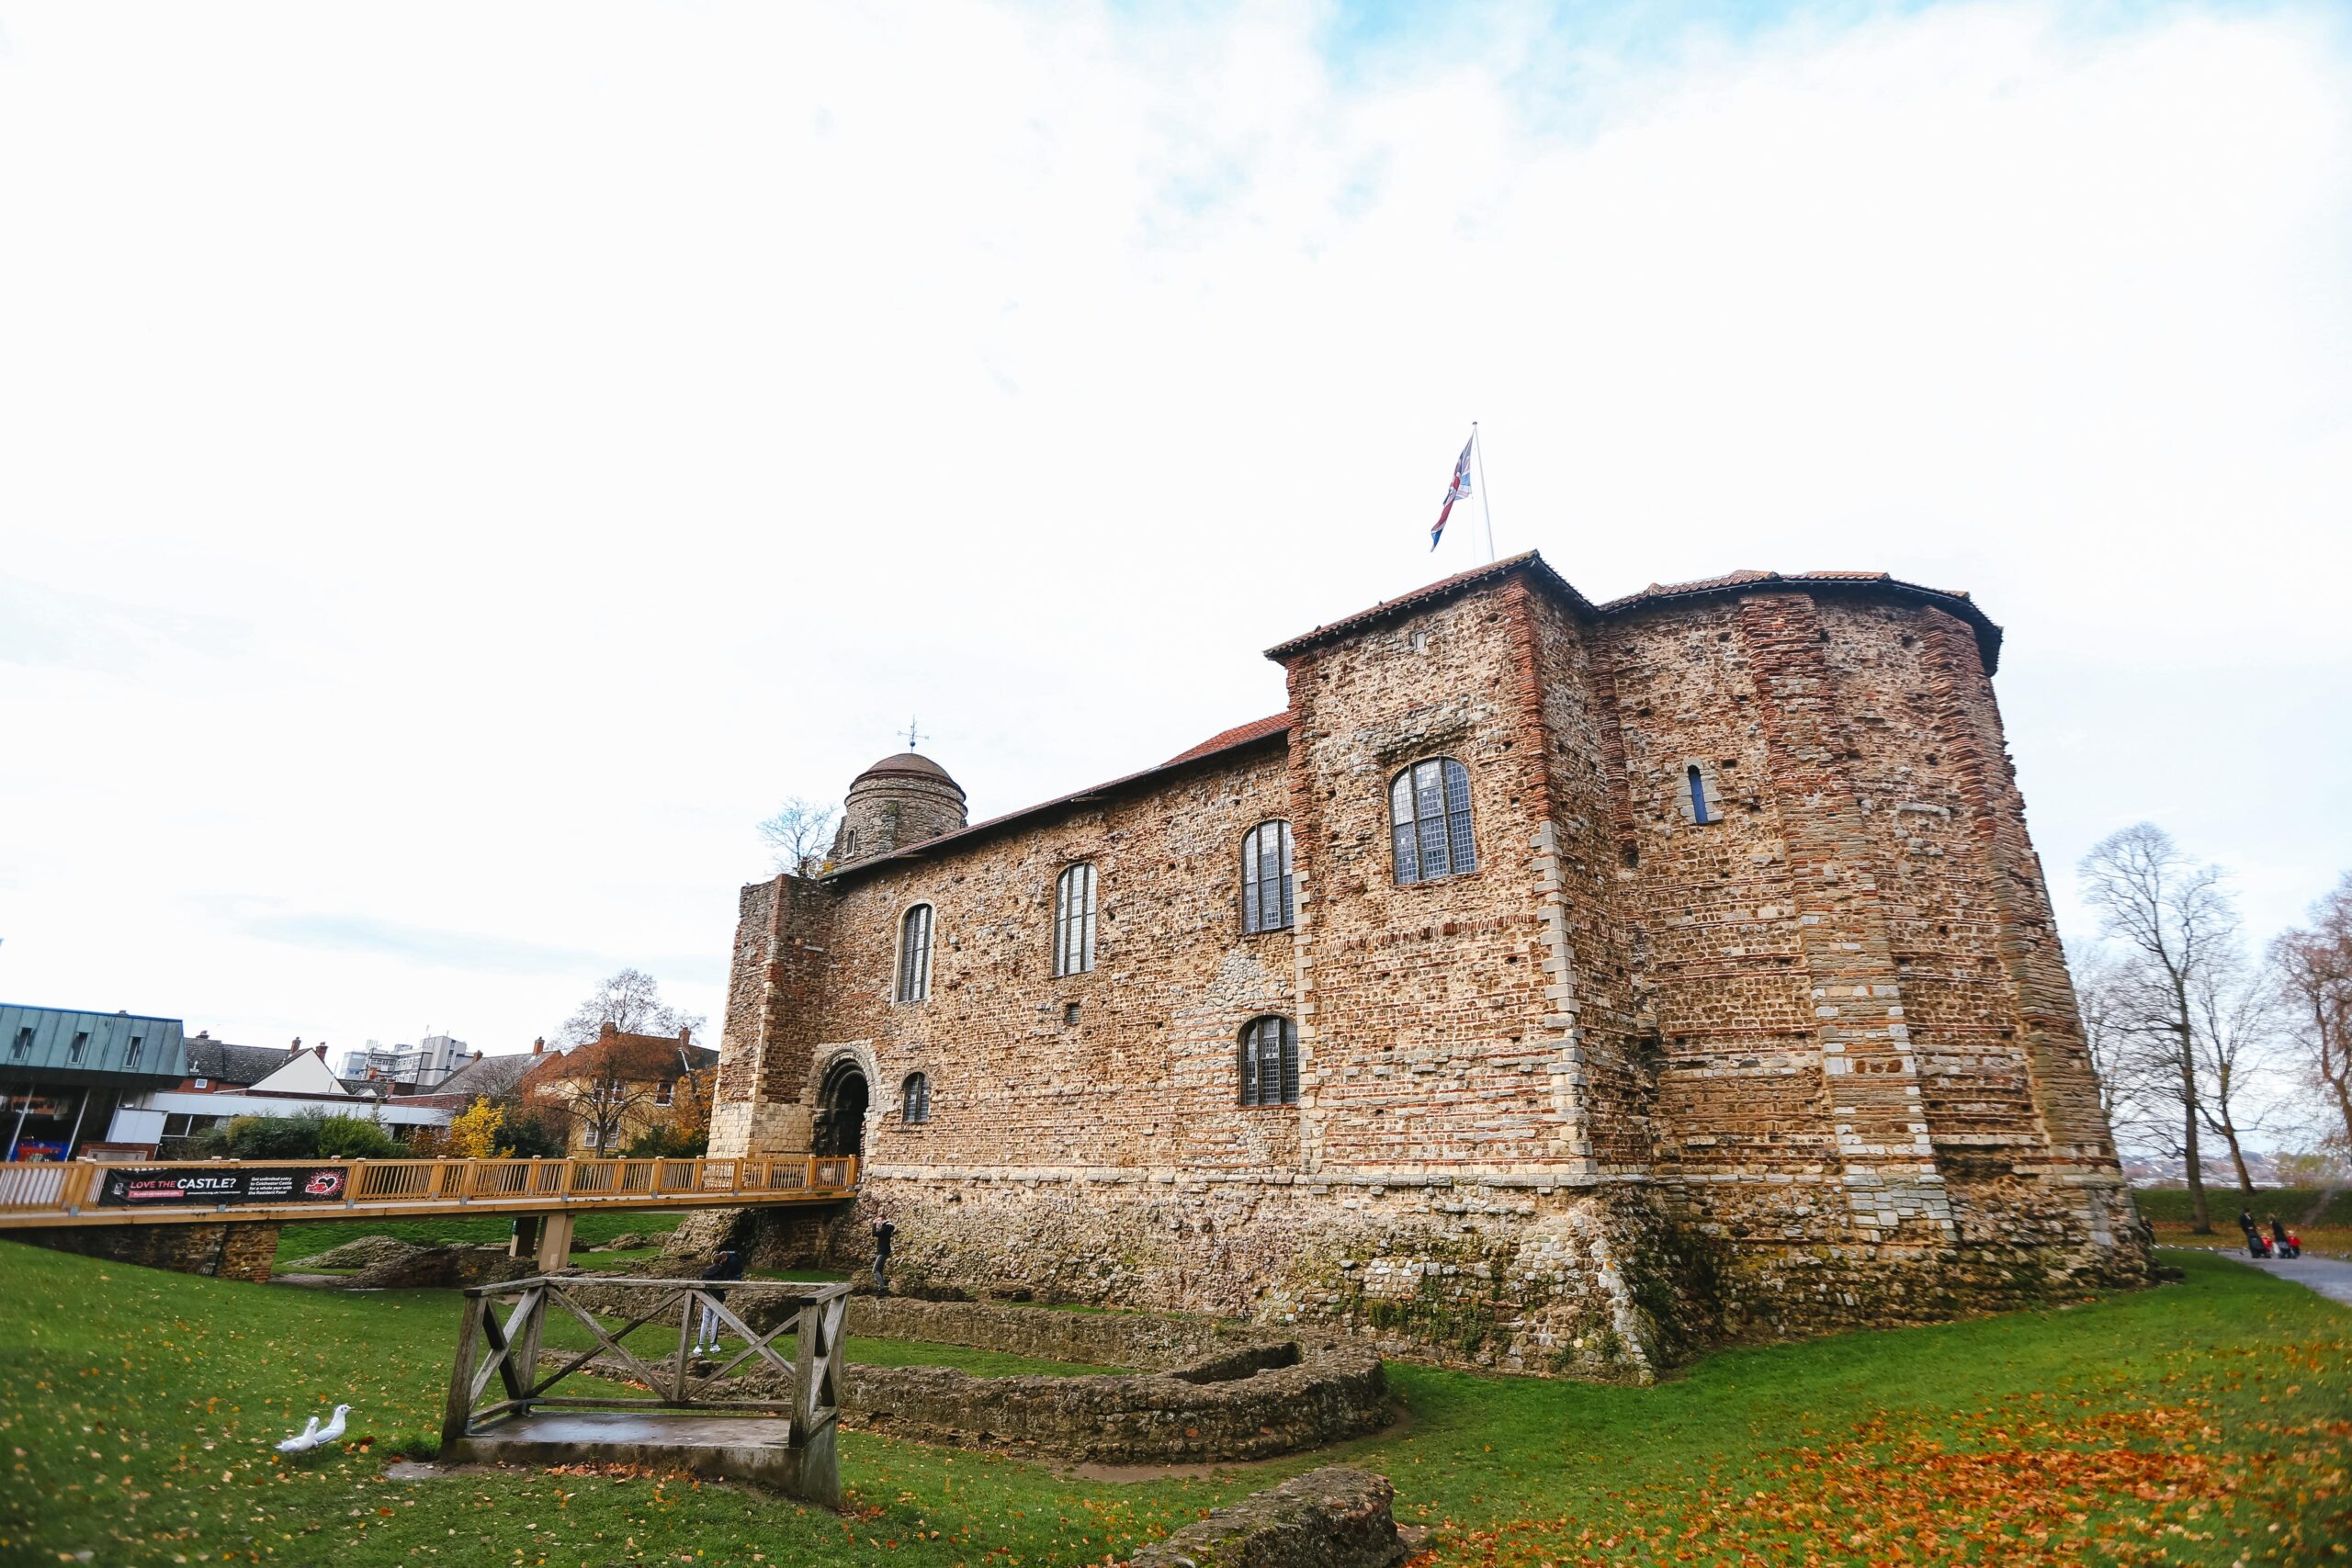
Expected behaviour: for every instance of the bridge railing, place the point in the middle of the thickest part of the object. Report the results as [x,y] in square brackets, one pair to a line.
[96,1193]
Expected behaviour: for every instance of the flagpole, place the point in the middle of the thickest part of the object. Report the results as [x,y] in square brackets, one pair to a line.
[1484,506]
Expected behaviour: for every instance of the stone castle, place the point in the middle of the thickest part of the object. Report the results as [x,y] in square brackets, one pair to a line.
[1553,985]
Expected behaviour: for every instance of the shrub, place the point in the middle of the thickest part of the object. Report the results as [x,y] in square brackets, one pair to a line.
[664,1140]
[356,1137]
[530,1131]
[312,1135]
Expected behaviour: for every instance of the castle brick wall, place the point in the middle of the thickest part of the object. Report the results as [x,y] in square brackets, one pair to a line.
[1637,1080]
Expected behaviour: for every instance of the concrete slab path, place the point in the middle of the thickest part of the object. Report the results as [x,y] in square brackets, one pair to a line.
[2331,1277]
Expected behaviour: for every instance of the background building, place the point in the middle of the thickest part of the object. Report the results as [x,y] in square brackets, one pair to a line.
[65,1073]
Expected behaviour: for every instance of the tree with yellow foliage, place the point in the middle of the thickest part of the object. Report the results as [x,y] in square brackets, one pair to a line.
[473,1133]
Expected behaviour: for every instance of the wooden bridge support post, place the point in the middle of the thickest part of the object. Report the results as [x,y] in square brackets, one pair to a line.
[555,1241]
[523,1240]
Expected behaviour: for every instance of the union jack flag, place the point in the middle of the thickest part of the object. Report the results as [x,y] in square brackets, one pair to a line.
[1459,490]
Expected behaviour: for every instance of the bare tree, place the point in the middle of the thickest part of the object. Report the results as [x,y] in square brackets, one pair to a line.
[2311,972]
[2110,1012]
[606,1099]
[799,833]
[2173,923]
[631,1002]
[2234,1036]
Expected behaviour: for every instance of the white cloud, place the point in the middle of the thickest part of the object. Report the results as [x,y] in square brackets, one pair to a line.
[523,443]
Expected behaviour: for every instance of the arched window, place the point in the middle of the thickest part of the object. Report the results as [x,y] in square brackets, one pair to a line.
[1428,818]
[915,1101]
[1269,1062]
[1074,921]
[914,955]
[1699,813]
[1265,877]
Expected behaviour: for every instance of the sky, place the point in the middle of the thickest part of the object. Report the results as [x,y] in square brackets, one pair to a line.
[462,466]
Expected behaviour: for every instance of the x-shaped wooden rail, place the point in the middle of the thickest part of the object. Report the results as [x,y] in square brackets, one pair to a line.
[511,1349]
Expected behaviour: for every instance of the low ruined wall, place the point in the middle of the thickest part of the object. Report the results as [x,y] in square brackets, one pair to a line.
[1327,1396]
[1333,1518]
[235,1249]
[1614,1282]
[1146,1341]
[1580,1282]
[1211,1392]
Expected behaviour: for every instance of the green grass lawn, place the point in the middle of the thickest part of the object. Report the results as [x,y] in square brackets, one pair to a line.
[2204,1423]
[592,1229]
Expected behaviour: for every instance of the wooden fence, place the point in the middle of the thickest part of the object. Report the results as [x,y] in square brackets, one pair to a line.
[86,1193]
[533,1425]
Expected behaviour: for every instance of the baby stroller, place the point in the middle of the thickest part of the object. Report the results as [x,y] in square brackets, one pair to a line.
[2294,1248]
[2258,1245]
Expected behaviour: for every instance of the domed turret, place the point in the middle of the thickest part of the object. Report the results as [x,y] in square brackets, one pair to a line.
[898,801]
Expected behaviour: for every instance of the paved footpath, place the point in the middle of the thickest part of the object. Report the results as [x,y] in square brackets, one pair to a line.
[2331,1277]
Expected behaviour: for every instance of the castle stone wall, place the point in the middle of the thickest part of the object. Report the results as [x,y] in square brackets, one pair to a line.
[1639,1079]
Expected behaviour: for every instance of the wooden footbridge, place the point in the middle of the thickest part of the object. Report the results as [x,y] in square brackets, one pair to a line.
[555,1192]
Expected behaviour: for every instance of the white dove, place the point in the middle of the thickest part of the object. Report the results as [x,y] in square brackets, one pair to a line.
[314,1435]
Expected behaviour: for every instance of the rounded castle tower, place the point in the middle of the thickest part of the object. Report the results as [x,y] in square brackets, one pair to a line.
[898,801]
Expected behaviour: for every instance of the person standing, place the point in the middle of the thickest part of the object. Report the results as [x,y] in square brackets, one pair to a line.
[883,1231]
[726,1264]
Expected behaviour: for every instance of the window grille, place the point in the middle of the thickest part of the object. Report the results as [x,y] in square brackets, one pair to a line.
[914,955]
[1074,921]
[1266,878]
[1269,1062]
[1429,815]
[917,1100]
[1698,798]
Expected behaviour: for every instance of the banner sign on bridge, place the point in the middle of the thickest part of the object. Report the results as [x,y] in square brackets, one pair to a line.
[134,1188]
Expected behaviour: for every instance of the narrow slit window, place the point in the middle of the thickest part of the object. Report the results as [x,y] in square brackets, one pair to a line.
[914,955]
[1074,921]
[1699,813]
[1266,878]
[24,1046]
[1268,1062]
[80,1046]
[131,1058]
[1429,815]
[916,1101]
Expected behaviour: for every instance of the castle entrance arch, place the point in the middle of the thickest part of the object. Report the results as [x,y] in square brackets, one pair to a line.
[841,1109]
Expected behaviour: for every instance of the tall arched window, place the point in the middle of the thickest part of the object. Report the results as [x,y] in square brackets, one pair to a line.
[1265,877]
[915,1099]
[1269,1062]
[914,955]
[1074,921]
[1428,818]
[1699,813]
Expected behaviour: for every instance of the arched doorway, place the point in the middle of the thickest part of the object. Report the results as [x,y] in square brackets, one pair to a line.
[840,1110]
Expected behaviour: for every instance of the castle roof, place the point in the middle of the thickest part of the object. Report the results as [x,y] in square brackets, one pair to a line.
[909,766]
[1240,735]
[1988,636]
[1257,732]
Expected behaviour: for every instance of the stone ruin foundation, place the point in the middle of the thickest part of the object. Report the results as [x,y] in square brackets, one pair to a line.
[1201,1391]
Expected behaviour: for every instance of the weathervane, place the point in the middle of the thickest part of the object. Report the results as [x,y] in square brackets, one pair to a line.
[914,736]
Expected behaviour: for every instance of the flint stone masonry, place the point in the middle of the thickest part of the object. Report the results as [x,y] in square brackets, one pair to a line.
[237,1249]
[1333,1518]
[1635,1082]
